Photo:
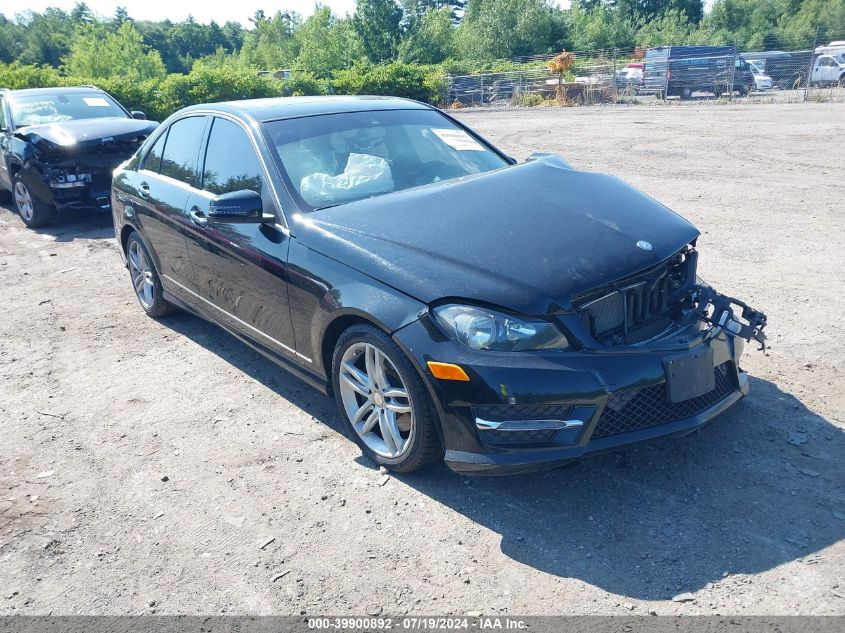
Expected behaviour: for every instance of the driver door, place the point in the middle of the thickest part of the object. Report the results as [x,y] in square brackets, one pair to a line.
[241,270]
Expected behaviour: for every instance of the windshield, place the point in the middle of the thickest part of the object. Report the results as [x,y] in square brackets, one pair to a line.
[757,66]
[337,158]
[46,108]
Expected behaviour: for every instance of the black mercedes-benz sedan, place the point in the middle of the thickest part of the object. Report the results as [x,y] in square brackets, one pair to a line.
[454,303]
[59,146]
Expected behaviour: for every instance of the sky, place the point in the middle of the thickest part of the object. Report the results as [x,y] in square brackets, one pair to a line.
[202,10]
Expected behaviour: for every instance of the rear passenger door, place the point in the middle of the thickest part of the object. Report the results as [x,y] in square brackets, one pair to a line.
[161,188]
[241,269]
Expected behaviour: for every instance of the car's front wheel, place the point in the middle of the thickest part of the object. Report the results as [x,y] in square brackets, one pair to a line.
[383,400]
[145,279]
[33,211]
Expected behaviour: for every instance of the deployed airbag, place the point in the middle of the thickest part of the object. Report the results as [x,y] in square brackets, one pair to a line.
[364,176]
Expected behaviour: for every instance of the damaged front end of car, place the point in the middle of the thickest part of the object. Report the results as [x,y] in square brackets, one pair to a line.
[69,170]
[659,303]
[651,355]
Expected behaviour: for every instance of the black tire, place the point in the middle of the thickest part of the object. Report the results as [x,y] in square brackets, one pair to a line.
[424,445]
[33,211]
[686,93]
[157,306]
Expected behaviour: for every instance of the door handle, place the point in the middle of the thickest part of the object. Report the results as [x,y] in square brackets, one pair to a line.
[198,217]
[144,190]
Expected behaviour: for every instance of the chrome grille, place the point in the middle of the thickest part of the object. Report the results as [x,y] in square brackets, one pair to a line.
[642,408]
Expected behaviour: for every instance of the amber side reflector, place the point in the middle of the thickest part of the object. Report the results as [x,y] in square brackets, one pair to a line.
[447,371]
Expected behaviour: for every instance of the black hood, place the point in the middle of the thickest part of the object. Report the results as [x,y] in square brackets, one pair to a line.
[86,132]
[528,237]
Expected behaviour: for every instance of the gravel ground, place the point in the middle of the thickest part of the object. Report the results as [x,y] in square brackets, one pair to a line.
[164,467]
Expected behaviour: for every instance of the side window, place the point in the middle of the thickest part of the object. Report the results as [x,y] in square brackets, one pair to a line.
[231,163]
[152,161]
[2,115]
[179,160]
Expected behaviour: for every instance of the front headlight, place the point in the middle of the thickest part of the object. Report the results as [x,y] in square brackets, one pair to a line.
[481,328]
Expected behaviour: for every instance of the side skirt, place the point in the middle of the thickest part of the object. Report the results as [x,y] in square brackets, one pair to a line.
[312,379]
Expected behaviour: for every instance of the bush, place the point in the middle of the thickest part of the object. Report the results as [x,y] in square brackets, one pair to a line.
[17,76]
[209,85]
[160,97]
[413,81]
[530,100]
[304,84]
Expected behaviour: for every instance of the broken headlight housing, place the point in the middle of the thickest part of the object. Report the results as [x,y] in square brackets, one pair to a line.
[67,180]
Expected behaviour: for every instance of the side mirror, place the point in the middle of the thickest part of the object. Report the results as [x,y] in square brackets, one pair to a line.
[244,207]
[549,159]
[137,114]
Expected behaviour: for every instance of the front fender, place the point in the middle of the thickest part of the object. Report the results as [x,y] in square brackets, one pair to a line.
[323,291]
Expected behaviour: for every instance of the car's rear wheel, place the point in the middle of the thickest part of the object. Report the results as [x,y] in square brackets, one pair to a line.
[145,280]
[33,211]
[384,404]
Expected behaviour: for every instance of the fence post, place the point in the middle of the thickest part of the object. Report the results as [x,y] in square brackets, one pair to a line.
[810,65]
[733,74]
[613,78]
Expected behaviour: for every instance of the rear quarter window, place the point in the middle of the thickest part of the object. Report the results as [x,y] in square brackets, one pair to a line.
[181,150]
[152,161]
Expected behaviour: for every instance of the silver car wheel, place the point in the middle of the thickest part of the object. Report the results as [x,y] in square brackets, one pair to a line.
[23,201]
[375,400]
[141,273]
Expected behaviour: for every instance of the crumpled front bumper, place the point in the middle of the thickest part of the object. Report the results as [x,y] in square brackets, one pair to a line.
[597,393]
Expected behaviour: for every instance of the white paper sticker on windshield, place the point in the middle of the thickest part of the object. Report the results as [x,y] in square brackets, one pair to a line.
[458,139]
[96,102]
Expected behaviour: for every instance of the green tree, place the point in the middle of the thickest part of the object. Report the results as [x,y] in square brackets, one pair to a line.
[432,41]
[326,43]
[650,9]
[377,23]
[271,45]
[822,19]
[99,53]
[669,28]
[601,28]
[500,29]
[414,10]
[45,38]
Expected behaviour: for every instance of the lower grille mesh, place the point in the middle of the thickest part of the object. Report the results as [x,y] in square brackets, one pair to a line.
[500,413]
[636,409]
[544,436]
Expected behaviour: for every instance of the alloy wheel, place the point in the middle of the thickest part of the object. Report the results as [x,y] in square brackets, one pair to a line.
[23,201]
[141,272]
[376,400]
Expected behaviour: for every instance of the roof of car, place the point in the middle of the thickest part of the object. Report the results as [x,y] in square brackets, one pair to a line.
[290,107]
[62,90]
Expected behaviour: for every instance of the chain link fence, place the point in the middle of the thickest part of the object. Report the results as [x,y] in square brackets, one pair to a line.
[812,73]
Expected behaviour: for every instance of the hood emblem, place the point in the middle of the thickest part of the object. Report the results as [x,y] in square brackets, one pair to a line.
[646,246]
